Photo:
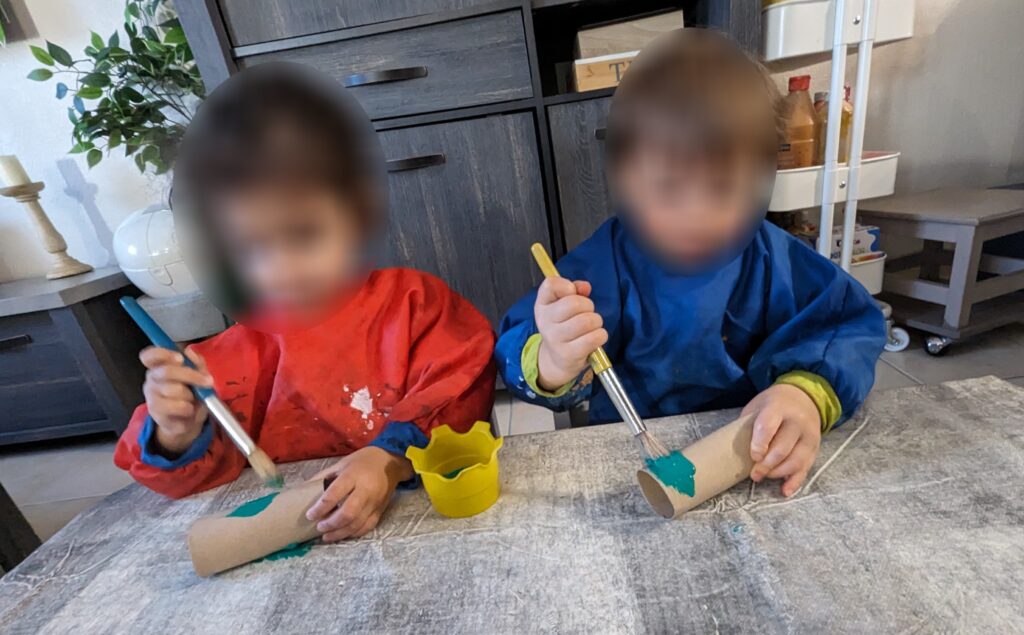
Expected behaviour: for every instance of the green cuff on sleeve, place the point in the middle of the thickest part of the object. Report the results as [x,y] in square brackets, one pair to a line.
[530,371]
[820,392]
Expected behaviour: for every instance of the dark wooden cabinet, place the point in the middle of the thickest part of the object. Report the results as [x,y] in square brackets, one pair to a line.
[471,227]
[477,82]
[251,21]
[576,140]
[68,357]
[468,62]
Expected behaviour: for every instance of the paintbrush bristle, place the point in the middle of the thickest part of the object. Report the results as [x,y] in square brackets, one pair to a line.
[265,469]
[652,447]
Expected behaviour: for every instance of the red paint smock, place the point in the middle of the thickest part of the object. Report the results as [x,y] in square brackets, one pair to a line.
[401,349]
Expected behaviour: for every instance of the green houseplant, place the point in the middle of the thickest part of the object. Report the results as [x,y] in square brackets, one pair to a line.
[135,90]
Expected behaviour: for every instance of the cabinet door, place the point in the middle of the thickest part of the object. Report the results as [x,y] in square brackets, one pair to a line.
[252,21]
[579,166]
[466,202]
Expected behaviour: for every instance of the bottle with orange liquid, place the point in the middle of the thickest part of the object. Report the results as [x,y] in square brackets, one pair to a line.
[845,123]
[801,126]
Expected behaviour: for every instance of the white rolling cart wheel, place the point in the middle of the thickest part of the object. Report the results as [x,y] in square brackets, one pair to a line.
[898,339]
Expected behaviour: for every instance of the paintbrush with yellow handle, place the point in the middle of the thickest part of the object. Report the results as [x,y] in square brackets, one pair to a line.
[602,367]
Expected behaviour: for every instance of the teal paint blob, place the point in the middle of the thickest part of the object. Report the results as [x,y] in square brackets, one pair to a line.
[674,470]
[254,507]
[454,473]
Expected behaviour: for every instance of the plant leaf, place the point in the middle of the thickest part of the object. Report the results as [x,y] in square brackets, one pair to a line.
[150,153]
[40,74]
[93,157]
[114,40]
[140,162]
[62,90]
[59,54]
[114,139]
[95,40]
[41,55]
[175,35]
[96,79]
[79,105]
[90,92]
[131,10]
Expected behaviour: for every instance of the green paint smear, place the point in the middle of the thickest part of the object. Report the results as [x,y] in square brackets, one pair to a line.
[455,473]
[254,507]
[674,470]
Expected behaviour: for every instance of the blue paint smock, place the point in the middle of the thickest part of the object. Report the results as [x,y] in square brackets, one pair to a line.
[688,341]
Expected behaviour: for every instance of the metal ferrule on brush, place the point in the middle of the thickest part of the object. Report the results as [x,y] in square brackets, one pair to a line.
[220,411]
[621,401]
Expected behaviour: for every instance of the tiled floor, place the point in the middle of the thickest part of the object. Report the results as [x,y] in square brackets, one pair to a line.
[53,483]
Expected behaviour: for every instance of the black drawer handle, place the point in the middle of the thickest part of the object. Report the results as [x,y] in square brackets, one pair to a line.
[415,163]
[600,134]
[9,343]
[384,76]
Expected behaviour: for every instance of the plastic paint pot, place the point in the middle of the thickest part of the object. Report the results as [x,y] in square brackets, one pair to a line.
[459,471]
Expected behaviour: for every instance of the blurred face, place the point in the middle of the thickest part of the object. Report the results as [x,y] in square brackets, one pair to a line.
[294,248]
[689,212]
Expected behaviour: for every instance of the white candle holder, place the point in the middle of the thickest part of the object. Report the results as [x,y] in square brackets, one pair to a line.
[63,264]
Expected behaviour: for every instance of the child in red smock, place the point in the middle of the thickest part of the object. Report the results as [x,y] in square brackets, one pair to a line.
[329,359]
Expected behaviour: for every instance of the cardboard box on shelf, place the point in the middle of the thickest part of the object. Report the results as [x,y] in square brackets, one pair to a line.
[627,35]
[595,73]
[865,239]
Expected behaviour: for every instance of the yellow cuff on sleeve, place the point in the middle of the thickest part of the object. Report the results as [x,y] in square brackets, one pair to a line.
[530,371]
[820,392]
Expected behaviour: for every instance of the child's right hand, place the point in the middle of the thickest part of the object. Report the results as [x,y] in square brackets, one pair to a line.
[178,415]
[570,330]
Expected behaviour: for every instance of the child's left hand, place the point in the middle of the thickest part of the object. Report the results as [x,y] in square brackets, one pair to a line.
[363,483]
[787,433]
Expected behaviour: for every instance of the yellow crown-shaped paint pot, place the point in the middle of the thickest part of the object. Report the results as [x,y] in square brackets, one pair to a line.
[459,471]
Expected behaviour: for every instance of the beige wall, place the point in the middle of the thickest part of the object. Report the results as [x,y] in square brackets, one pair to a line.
[951,98]
[85,205]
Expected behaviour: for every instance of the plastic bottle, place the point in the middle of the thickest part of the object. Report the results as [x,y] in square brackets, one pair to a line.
[801,129]
[845,124]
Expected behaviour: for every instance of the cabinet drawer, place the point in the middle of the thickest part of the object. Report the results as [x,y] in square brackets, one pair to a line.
[252,21]
[31,348]
[579,166]
[47,404]
[449,65]
[466,202]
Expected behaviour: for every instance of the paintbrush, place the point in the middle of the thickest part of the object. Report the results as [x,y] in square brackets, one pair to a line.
[602,367]
[258,459]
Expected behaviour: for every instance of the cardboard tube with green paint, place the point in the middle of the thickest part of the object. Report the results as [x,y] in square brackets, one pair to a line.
[254,530]
[721,460]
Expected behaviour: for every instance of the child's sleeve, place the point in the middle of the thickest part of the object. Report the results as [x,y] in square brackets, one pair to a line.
[519,341]
[825,332]
[212,459]
[450,373]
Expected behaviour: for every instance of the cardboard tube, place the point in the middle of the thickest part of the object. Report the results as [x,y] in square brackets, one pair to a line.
[721,460]
[220,542]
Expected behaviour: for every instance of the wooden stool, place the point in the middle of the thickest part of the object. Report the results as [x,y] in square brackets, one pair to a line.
[965,218]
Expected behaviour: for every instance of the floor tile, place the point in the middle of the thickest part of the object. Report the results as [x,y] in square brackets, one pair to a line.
[887,377]
[999,352]
[48,473]
[48,518]
[512,416]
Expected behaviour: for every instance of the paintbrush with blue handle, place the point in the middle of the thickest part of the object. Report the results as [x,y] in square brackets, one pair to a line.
[256,457]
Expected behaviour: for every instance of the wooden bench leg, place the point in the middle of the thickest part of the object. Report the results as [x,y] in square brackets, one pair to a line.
[963,277]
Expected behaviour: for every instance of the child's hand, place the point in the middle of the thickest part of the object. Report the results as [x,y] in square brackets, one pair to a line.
[570,330]
[787,433]
[178,415]
[362,488]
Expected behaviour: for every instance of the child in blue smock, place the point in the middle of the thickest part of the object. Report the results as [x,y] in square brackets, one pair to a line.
[699,301]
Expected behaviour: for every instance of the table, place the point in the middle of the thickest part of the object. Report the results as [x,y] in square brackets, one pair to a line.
[69,360]
[966,218]
[914,522]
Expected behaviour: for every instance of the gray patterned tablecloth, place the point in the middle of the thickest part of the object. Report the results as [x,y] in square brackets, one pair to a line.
[913,522]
